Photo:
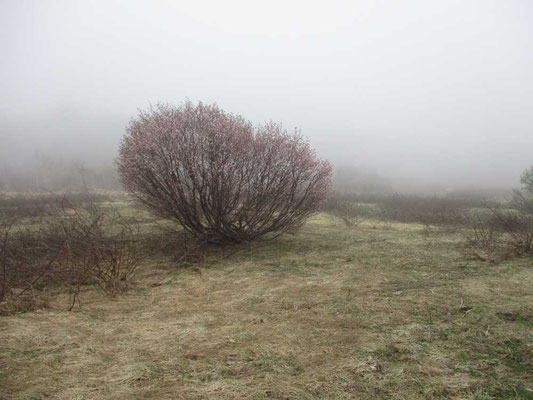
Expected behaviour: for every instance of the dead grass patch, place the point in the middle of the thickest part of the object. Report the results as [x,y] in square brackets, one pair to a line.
[332,312]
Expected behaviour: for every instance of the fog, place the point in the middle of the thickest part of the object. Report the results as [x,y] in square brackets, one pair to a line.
[424,93]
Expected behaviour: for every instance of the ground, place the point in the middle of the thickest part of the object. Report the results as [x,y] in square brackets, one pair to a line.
[376,311]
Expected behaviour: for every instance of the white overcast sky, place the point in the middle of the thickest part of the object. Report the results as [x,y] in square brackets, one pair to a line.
[419,90]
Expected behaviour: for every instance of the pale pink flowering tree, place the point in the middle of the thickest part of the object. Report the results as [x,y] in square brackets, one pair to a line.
[219,176]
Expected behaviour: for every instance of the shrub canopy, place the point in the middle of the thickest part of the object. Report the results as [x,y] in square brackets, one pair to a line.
[219,176]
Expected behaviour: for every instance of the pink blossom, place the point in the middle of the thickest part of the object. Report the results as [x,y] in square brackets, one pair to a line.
[219,176]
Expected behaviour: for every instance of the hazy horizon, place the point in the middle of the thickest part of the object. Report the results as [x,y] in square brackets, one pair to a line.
[424,93]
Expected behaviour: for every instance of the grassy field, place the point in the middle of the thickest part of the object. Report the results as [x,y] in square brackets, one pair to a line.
[377,311]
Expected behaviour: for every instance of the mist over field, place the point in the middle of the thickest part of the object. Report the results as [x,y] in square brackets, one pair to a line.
[422,94]
[280,199]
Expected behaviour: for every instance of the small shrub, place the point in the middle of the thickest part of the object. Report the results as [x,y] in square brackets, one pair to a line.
[35,205]
[344,208]
[96,245]
[71,246]
[24,263]
[518,226]
[481,234]
[433,213]
[502,232]
[515,223]
[120,254]
[6,259]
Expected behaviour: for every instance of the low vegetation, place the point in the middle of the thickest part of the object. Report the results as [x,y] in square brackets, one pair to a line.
[67,242]
[356,305]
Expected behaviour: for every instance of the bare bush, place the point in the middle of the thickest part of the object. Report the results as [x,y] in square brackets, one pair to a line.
[432,212]
[96,245]
[344,208]
[500,233]
[518,226]
[120,253]
[482,234]
[516,222]
[24,261]
[218,176]
[71,246]
[6,258]
[37,204]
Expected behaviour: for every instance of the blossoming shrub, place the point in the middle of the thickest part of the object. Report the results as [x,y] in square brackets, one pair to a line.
[220,177]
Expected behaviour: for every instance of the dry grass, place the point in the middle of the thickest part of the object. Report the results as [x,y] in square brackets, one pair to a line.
[379,311]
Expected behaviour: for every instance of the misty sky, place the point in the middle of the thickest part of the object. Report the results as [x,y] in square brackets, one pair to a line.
[418,90]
